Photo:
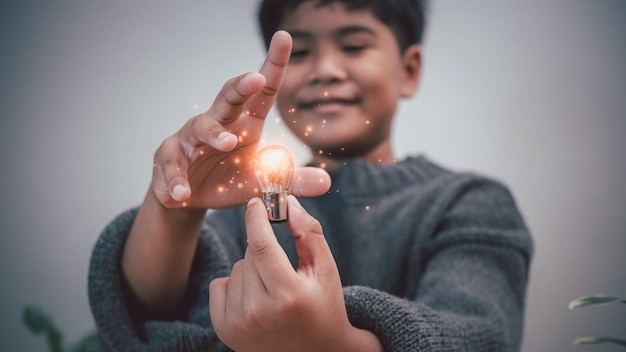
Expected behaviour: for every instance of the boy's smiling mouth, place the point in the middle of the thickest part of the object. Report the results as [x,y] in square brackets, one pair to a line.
[328,104]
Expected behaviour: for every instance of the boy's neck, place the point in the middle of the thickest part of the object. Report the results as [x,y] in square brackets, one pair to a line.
[381,154]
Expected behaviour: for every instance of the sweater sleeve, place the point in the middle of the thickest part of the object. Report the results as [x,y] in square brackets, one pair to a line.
[466,283]
[123,327]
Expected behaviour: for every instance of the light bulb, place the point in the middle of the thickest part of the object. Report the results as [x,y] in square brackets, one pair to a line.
[273,168]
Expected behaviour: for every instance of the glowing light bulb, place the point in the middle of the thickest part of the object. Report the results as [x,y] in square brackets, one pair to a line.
[273,167]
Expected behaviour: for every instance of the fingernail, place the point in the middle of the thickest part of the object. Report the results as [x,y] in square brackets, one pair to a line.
[224,136]
[178,192]
[253,200]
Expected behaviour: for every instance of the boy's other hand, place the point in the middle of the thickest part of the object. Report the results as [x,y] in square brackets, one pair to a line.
[208,162]
[266,305]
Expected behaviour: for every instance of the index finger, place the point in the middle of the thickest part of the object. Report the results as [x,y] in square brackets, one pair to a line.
[268,256]
[273,70]
[230,101]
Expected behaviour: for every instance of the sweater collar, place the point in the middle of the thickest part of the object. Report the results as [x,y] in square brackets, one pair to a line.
[361,178]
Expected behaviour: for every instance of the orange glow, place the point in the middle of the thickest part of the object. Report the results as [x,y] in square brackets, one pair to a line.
[273,167]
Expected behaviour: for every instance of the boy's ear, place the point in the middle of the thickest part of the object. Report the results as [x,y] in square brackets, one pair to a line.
[412,61]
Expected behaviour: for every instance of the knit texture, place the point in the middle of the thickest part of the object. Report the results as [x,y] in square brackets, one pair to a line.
[430,260]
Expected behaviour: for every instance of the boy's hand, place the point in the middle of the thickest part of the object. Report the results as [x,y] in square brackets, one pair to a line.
[266,305]
[208,162]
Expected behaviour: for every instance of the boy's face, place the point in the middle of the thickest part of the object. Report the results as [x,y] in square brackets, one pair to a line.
[343,81]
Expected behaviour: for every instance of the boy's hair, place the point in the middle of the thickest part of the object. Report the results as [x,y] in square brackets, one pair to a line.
[406,18]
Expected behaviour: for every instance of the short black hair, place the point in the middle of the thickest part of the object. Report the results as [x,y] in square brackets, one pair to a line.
[406,18]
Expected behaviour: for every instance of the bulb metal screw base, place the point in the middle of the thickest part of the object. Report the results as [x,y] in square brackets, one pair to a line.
[276,203]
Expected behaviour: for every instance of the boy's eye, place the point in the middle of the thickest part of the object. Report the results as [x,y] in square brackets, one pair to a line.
[297,54]
[353,49]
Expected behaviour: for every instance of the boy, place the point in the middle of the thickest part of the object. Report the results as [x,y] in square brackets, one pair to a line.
[398,256]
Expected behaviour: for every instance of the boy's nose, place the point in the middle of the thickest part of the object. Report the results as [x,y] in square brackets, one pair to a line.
[328,68]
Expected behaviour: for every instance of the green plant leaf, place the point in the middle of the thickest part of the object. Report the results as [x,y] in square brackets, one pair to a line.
[35,320]
[594,300]
[598,340]
[40,323]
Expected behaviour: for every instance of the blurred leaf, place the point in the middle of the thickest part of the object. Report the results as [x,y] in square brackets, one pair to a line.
[35,320]
[598,340]
[40,323]
[594,300]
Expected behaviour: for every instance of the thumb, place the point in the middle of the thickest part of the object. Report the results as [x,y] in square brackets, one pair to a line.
[311,246]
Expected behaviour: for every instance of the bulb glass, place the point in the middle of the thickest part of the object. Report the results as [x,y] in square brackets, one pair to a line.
[273,168]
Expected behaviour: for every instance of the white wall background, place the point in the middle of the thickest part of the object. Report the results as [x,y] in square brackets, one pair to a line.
[530,92]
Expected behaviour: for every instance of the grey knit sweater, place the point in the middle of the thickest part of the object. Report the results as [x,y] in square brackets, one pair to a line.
[430,260]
